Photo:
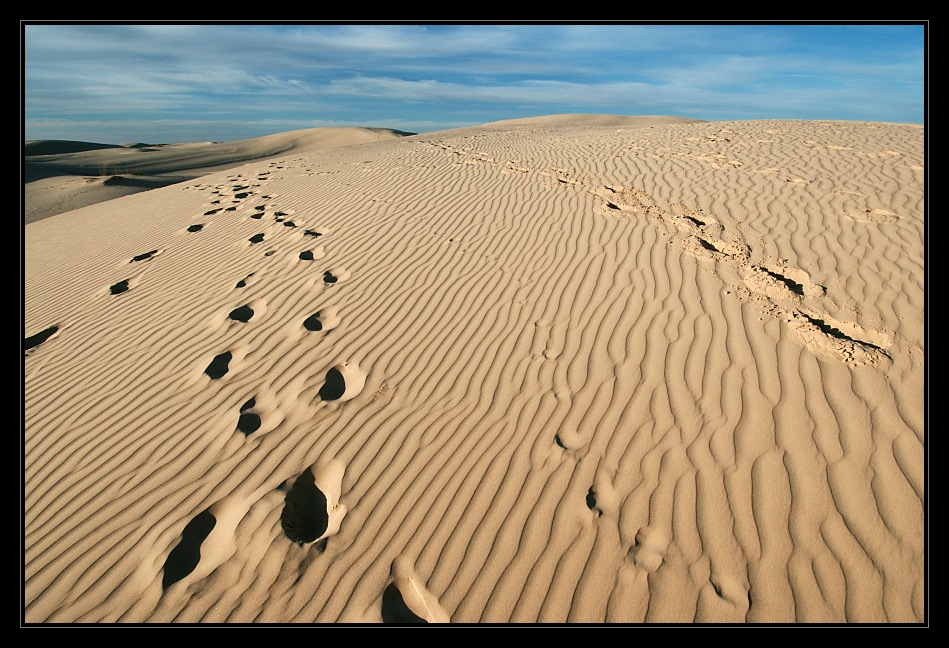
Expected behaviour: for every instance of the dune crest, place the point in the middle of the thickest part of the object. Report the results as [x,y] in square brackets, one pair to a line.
[62,175]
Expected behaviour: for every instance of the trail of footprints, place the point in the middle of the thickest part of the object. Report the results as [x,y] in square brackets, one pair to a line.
[312,511]
[779,291]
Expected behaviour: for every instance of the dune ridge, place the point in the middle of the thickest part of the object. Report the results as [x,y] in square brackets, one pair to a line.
[62,175]
[585,372]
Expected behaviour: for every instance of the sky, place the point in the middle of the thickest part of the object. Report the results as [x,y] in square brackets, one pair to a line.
[178,82]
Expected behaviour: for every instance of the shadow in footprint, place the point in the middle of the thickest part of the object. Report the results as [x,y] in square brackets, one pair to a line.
[304,517]
[696,221]
[242,314]
[312,233]
[306,255]
[708,246]
[792,285]
[335,385]
[243,282]
[185,556]
[219,366]
[329,277]
[835,332]
[142,257]
[195,228]
[313,323]
[394,609]
[38,339]
[256,238]
[248,422]
[591,502]
[120,287]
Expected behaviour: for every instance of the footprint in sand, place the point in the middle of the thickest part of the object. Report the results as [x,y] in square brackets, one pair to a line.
[240,193]
[207,541]
[793,286]
[249,310]
[243,282]
[786,283]
[219,366]
[406,600]
[731,589]
[241,314]
[312,254]
[343,382]
[844,341]
[256,238]
[650,549]
[249,420]
[602,497]
[871,215]
[570,440]
[197,227]
[37,339]
[591,502]
[120,287]
[187,553]
[312,511]
[145,256]
[326,319]
[335,275]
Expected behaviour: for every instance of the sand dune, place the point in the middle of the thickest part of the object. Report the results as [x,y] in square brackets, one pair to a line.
[576,369]
[62,175]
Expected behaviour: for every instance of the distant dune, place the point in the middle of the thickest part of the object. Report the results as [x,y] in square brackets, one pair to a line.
[628,121]
[59,147]
[63,175]
[575,369]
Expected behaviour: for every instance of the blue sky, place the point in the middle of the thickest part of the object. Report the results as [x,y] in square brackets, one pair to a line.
[169,83]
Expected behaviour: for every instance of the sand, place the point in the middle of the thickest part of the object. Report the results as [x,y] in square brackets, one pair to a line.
[62,175]
[573,370]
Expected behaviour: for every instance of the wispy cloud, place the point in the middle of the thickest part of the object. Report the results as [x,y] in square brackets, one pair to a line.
[442,75]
